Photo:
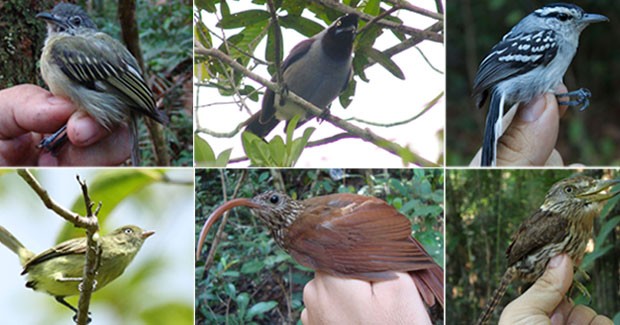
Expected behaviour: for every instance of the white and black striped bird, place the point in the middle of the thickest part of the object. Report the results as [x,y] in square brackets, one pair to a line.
[529,61]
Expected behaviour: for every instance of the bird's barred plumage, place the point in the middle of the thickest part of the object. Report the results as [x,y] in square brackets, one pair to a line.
[530,60]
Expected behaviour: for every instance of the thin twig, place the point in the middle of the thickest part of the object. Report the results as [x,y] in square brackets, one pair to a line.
[220,229]
[91,224]
[409,120]
[49,203]
[414,32]
[92,257]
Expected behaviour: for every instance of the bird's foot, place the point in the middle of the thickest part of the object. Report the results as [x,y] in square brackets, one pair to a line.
[576,98]
[283,94]
[584,291]
[54,142]
[323,115]
[87,321]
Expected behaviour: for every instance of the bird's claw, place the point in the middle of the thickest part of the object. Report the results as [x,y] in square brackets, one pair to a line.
[582,98]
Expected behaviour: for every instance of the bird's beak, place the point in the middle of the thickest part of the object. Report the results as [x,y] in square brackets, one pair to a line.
[593,18]
[147,234]
[602,191]
[215,215]
[49,18]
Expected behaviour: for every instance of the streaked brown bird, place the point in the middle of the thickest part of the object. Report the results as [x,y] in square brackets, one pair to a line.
[562,224]
[345,235]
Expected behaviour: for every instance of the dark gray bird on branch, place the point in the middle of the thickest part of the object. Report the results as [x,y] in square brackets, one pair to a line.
[317,69]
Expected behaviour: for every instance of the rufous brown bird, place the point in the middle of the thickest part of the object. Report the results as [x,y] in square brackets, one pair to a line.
[562,224]
[345,235]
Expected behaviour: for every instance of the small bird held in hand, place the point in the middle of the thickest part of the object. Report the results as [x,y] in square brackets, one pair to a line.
[345,235]
[317,69]
[96,72]
[562,224]
[529,61]
[58,271]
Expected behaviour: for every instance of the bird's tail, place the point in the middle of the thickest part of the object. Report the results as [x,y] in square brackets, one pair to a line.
[135,139]
[496,298]
[14,245]
[430,284]
[260,127]
[492,129]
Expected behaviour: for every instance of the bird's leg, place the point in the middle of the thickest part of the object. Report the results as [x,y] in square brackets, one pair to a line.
[325,114]
[53,142]
[579,286]
[283,94]
[582,98]
[63,302]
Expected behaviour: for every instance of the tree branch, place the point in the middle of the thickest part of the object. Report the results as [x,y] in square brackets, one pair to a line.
[365,135]
[91,224]
[414,32]
[92,258]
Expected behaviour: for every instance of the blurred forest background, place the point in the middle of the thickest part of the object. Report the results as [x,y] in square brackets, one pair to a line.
[165,41]
[252,281]
[589,137]
[485,207]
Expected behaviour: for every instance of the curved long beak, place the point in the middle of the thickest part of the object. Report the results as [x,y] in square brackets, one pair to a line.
[602,191]
[215,215]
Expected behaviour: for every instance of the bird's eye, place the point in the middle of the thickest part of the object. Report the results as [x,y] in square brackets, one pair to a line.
[563,17]
[569,189]
[76,21]
[128,231]
[274,199]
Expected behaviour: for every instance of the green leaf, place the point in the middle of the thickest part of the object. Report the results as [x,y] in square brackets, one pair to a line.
[244,18]
[386,62]
[301,24]
[252,267]
[202,150]
[260,308]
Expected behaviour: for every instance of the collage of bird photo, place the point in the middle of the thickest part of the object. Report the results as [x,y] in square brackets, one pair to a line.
[315,162]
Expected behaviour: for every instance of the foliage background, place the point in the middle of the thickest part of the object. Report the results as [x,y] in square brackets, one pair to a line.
[587,137]
[484,208]
[166,42]
[157,286]
[252,281]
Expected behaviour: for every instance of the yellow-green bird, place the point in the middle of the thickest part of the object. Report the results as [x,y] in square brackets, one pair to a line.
[58,270]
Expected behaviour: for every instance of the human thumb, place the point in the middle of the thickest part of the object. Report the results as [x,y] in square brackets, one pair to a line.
[536,304]
[532,135]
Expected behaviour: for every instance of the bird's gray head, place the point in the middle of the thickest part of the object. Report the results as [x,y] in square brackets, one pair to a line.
[67,18]
[564,18]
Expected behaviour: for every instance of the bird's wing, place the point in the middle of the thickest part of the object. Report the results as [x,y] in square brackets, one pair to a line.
[73,246]
[102,63]
[543,227]
[515,54]
[355,236]
[268,108]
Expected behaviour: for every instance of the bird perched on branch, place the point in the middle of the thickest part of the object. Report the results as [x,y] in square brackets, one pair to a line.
[529,61]
[345,235]
[317,69]
[96,72]
[562,224]
[58,271]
